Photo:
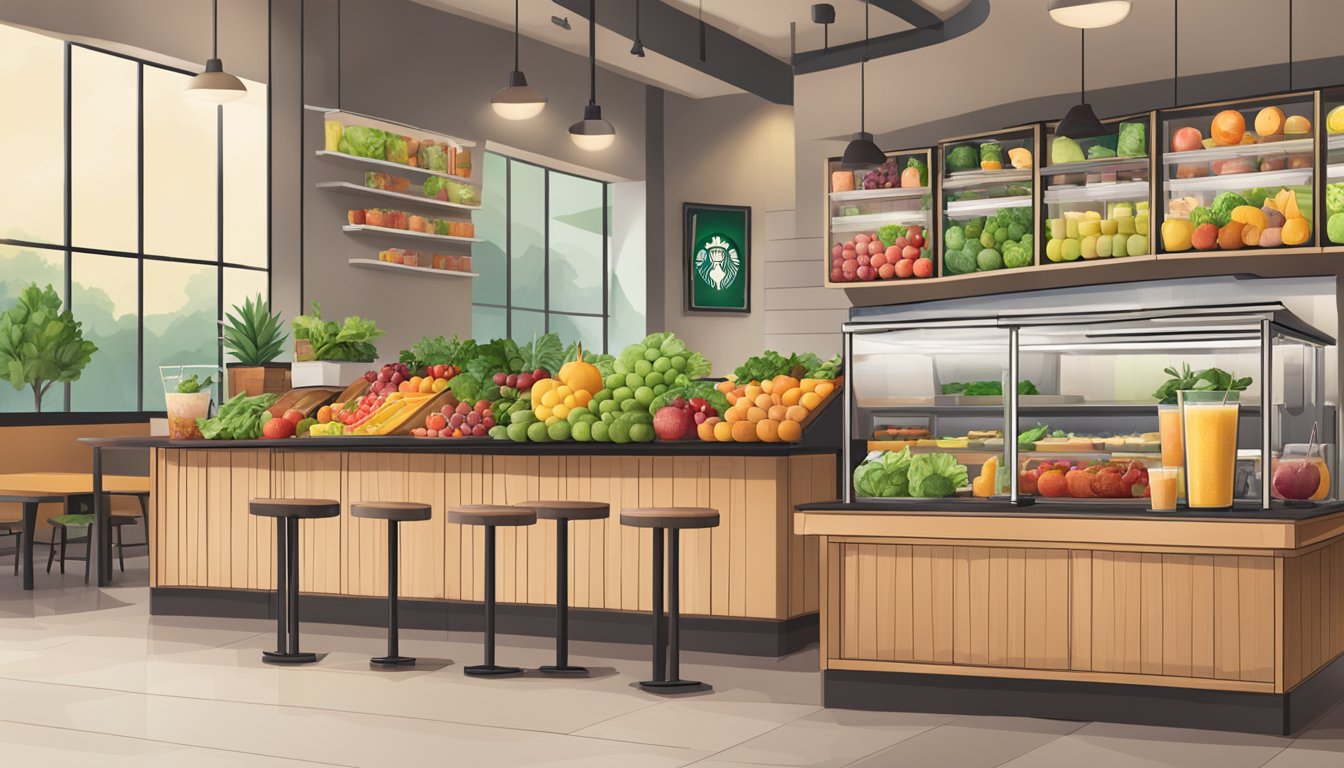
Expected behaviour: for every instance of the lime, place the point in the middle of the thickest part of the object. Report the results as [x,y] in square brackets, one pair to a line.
[622,394]
[583,432]
[634,380]
[559,430]
[608,417]
[653,379]
[517,432]
[614,380]
[608,406]
[620,432]
[619,366]
[600,432]
[522,417]
[631,406]
[576,415]
[638,417]
[643,368]
[601,395]
[537,432]
[650,354]
[645,396]
[660,389]
[499,432]
[678,363]
[588,418]
[641,433]
[662,364]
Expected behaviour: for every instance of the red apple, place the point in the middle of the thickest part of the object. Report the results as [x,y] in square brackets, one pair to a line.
[293,416]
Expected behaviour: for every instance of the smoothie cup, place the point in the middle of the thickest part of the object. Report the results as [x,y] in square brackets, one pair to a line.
[183,410]
[1173,442]
[1162,487]
[1209,425]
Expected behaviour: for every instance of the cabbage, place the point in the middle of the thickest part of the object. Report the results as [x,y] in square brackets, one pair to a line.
[362,141]
[962,157]
[1133,141]
[960,262]
[936,475]
[887,233]
[1065,150]
[395,149]
[431,157]
[955,238]
[885,476]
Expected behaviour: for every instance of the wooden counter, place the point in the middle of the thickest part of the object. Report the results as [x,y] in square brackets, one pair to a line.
[1232,621]
[748,586]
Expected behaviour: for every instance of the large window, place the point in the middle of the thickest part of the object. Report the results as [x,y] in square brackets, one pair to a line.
[145,210]
[546,262]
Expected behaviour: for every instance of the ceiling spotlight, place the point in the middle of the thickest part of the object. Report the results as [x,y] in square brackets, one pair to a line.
[560,21]
[1088,14]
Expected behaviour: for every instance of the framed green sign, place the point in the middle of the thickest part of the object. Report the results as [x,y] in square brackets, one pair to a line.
[717,243]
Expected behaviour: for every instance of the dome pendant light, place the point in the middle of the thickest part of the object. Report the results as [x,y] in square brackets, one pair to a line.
[1088,14]
[214,85]
[861,151]
[592,132]
[518,100]
[1081,122]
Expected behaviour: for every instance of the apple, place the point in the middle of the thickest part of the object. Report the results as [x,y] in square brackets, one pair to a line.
[1186,140]
[293,416]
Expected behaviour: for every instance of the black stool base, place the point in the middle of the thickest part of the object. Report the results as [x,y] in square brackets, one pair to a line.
[669,685]
[490,670]
[392,661]
[566,669]
[276,657]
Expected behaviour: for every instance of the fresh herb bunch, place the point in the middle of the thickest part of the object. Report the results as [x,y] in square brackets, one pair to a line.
[439,351]
[238,419]
[192,384]
[350,341]
[1207,380]
[987,388]
[827,370]
[252,334]
[770,364]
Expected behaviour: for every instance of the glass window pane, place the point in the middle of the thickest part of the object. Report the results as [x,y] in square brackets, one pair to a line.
[489,323]
[104,161]
[32,137]
[20,267]
[526,325]
[571,328]
[245,199]
[181,171]
[627,292]
[181,321]
[527,220]
[576,236]
[492,221]
[106,293]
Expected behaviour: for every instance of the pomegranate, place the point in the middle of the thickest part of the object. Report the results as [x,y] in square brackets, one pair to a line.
[671,423]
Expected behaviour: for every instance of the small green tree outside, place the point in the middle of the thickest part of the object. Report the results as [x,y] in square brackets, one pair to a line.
[40,345]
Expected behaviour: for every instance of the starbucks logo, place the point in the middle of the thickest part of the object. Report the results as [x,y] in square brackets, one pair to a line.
[717,262]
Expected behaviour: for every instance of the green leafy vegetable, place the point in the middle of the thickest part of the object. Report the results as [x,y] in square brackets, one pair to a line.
[362,141]
[41,345]
[240,418]
[887,234]
[395,149]
[954,238]
[1132,140]
[962,157]
[886,476]
[1032,435]
[991,152]
[828,369]
[1202,215]
[1223,205]
[192,384]
[1099,152]
[987,388]
[432,157]
[438,351]
[918,162]
[1065,150]
[1208,379]
[703,389]
[936,475]
[350,341]
[1257,196]
[432,186]
[770,364]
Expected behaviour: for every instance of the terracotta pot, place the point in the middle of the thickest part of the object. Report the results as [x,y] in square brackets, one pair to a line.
[259,379]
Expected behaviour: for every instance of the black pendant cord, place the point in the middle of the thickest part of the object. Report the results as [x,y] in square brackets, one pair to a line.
[1290,45]
[515,35]
[1176,53]
[1082,65]
[214,29]
[592,51]
[702,29]
[863,82]
[339,6]
[638,43]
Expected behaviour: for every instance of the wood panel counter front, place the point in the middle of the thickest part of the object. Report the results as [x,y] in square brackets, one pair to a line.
[1232,620]
[748,586]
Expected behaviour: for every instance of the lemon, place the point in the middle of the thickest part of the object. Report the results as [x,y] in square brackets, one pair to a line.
[1334,122]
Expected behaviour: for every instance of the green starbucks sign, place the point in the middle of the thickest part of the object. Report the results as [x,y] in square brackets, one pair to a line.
[717,257]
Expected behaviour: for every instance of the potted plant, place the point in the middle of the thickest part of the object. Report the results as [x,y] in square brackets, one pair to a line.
[253,338]
[327,353]
[40,345]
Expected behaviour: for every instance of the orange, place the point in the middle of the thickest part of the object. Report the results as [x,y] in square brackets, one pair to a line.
[809,385]
[324,414]
[744,432]
[810,401]
[767,386]
[790,431]
[776,413]
[734,414]
[763,401]
[584,397]
[723,432]
[784,383]
[752,392]
[724,386]
[768,430]
[755,414]
[705,430]
[796,413]
[732,398]
[792,396]
[824,388]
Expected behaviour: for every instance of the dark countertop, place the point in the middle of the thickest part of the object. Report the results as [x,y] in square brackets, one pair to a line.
[1075,508]
[474,445]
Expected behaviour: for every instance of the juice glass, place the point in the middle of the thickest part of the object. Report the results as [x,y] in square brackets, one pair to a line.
[1173,441]
[1209,424]
[1162,487]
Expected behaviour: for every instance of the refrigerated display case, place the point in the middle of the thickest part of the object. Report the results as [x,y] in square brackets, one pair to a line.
[1238,176]
[1333,108]
[890,204]
[1083,421]
[1096,194]
[988,220]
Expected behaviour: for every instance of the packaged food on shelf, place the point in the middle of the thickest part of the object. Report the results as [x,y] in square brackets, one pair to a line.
[1120,230]
[386,182]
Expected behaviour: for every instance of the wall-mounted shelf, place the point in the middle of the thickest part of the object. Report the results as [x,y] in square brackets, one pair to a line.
[370,163]
[391,126]
[384,231]
[878,195]
[961,209]
[359,190]
[871,221]
[1234,182]
[376,264]
[967,179]
[1100,165]
[1097,193]
[1267,149]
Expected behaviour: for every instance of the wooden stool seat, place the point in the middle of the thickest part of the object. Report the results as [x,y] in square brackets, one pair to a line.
[396,511]
[568,509]
[673,518]
[303,509]
[491,515]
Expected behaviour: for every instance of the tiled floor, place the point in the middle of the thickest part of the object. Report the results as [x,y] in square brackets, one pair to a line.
[87,677]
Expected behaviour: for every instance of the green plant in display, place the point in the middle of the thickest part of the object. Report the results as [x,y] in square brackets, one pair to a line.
[350,341]
[40,345]
[252,333]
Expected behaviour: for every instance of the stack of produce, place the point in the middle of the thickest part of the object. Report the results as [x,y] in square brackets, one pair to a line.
[444,261]
[1108,479]
[988,156]
[1228,129]
[1001,241]
[1087,235]
[1334,210]
[1234,221]
[377,144]
[241,418]
[889,175]
[460,421]
[898,474]
[388,218]
[891,252]
[1130,140]
[769,397]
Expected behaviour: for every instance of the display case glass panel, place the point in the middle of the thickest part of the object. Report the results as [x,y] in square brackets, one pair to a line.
[988,215]
[1333,101]
[879,219]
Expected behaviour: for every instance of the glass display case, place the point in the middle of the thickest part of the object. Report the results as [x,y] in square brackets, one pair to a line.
[878,220]
[988,193]
[1333,107]
[1088,417]
[1238,176]
[1096,193]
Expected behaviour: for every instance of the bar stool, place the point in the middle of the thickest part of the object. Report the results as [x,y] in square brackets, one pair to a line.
[491,516]
[562,512]
[287,514]
[667,670]
[394,512]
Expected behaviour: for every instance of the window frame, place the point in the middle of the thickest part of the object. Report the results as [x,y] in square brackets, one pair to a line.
[546,311]
[68,248]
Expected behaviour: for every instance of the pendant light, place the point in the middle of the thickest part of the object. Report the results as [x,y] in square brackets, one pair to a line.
[214,85]
[1081,122]
[592,132]
[861,152]
[517,100]
[638,48]
[1088,14]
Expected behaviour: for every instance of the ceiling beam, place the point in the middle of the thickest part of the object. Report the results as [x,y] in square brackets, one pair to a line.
[912,12]
[968,18]
[676,35]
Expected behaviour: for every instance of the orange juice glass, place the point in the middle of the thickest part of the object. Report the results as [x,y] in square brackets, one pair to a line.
[1162,487]
[1169,432]
[1209,424]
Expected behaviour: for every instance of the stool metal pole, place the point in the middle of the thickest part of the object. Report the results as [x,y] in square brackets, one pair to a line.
[672,662]
[659,639]
[281,592]
[393,657]
[489,667]
[562,600]
[292,548]
[674,604]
